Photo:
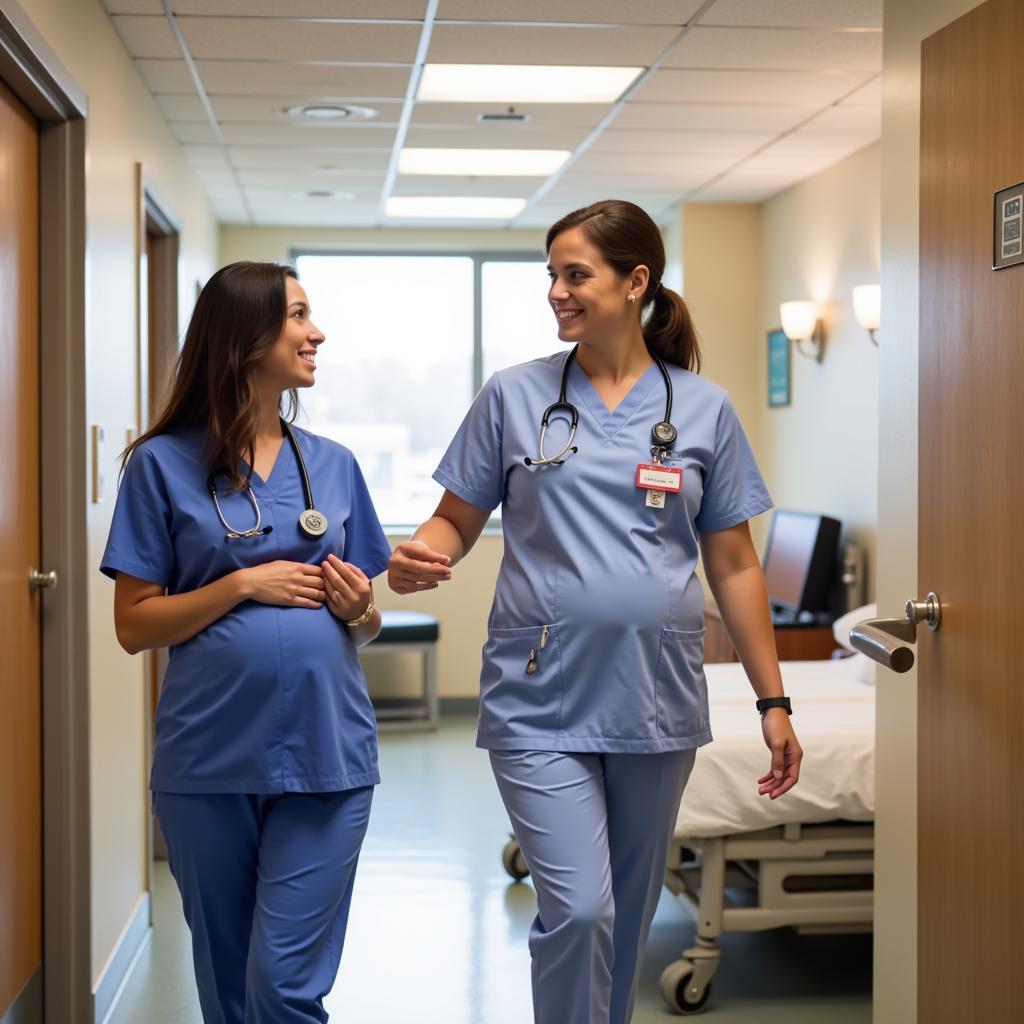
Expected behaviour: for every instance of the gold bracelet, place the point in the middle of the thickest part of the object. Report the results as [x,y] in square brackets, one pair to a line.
[365,617]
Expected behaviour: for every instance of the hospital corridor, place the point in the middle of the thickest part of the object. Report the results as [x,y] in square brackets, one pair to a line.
[508,511]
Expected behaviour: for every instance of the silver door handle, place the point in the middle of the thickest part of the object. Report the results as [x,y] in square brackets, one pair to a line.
[38,580]
[887,640]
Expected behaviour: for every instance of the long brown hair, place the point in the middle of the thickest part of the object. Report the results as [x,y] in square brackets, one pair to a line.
[238,316]
[627,237]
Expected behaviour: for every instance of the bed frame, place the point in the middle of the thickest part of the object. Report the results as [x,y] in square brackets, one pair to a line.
[817,878]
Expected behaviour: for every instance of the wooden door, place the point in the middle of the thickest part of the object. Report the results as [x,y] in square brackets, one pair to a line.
[20,608]
[971,494]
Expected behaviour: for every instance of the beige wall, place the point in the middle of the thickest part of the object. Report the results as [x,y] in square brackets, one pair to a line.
[819,239]
[244,242]
[124,126]
[907,23]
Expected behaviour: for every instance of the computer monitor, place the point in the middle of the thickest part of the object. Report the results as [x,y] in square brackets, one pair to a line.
[799,560]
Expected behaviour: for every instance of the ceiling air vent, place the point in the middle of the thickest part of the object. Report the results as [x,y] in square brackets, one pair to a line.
[510,116]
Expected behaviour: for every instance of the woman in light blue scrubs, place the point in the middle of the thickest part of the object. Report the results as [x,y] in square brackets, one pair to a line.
[593,698]
[247,547]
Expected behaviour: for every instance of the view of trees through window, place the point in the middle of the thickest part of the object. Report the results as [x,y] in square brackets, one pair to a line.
[405,354]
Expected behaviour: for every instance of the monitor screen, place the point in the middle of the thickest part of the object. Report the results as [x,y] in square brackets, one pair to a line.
[789,560]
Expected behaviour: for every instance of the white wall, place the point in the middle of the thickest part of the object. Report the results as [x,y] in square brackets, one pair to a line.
[819,240]
[124,126]
[906,24]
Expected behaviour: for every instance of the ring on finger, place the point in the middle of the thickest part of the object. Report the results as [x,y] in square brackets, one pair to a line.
[337,595]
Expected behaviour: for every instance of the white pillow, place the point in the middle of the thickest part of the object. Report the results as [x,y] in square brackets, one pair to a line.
[858,666]
[842,626]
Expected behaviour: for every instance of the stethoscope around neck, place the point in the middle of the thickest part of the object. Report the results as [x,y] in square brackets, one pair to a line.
[663,434]
[311,522]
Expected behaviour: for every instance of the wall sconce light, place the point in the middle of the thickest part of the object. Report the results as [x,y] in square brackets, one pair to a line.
[867,308]
[802,325]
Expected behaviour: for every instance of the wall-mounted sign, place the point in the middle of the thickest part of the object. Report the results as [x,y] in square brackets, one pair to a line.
[778,368]
[1008,244]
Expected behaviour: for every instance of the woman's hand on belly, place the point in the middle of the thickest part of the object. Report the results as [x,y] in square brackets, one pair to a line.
[285,584]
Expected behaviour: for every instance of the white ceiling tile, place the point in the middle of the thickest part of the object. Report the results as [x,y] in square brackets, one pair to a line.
[371,9]
[342,160]
[657,169]
[869,95]
[195,132]
[729,191]
[216,176]
[621,47]
[166,76]
[281,39]
[863,121]
[540,115]
[228,212]
[260,78]
[695,143]
[812,89]
[431,185]
[796,13]
[363,136]
[495,137]
[134,6]
[724,117]
[312,176]
[270,109]
[609,12]
[314,214]
[788,49]
[261,195]
[146,35]
[180,106]
[815,146]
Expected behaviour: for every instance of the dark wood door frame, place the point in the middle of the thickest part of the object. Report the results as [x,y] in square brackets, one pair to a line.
[34,74]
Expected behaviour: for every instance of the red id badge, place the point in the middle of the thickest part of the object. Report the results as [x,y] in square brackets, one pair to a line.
[654,477]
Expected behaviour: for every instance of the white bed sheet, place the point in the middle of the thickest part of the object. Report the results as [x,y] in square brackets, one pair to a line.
[834,717]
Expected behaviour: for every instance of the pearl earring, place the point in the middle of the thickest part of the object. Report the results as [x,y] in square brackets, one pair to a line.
[631,298]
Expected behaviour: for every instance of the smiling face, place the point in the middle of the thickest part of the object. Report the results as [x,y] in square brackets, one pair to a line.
[291,361]
[589,298]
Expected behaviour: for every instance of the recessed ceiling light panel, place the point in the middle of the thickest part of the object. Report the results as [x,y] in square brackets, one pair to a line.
[329,113]
[503,163]
[523,83]
[454,207]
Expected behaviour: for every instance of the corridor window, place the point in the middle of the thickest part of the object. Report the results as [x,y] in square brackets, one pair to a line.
[406,352]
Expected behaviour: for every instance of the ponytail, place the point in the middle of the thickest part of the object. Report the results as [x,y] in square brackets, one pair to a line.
[669,332]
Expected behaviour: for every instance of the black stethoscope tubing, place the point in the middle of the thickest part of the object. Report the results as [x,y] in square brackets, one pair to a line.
[663,434]
[311,522]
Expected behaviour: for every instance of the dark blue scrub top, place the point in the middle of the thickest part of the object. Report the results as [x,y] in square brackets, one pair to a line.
[265,699]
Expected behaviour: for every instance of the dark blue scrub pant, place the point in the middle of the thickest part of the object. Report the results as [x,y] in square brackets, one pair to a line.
[266,884]
[594,829]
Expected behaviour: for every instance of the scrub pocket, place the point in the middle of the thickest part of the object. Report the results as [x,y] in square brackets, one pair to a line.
[682,691]
[515,703]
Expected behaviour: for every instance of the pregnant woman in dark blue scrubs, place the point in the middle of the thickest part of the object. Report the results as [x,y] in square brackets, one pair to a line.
[247,547]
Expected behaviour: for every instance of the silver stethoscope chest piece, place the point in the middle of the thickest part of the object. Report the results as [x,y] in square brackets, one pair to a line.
[312,522]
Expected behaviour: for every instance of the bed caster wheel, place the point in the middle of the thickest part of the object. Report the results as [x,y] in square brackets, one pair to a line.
[678,989]
[513,861]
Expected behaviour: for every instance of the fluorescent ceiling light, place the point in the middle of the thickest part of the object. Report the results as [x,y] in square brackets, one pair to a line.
[523,83]
[502,162]
[454,207]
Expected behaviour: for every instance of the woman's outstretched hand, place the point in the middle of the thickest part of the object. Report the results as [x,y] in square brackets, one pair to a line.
[786,754]
[414,567]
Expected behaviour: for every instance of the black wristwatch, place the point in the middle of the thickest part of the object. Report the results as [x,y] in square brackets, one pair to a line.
[774,702]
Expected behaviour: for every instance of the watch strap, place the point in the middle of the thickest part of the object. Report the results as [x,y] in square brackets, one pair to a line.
[766,703]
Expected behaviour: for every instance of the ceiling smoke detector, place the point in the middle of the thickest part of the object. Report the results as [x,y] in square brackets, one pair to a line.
[329,113]
[324,194]
[510,116]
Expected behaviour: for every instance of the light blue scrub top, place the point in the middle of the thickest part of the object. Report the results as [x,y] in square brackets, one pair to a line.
[265,699]
[613,580]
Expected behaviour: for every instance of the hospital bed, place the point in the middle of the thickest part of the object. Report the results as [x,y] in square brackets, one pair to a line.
[740,862]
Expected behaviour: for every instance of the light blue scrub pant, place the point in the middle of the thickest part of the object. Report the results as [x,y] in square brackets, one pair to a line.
[266,883]
[594,829]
